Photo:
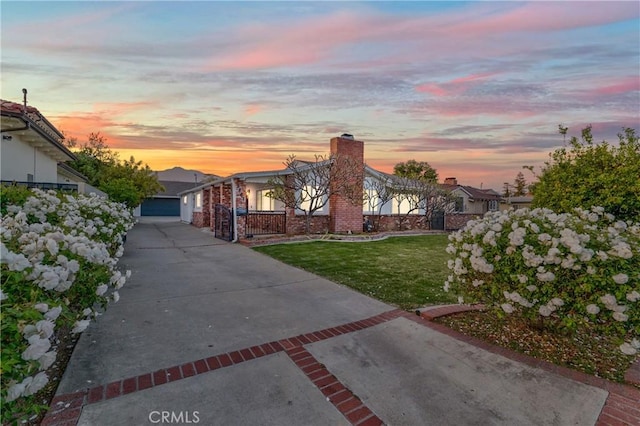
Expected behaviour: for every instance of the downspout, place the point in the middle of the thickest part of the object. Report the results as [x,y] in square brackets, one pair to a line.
[233,210]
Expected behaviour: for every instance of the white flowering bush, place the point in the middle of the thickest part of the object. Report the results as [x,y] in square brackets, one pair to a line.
[562,271]
[58,256]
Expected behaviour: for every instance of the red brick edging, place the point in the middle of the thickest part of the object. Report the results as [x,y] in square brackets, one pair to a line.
[351,407]
[65,409]
[622,406]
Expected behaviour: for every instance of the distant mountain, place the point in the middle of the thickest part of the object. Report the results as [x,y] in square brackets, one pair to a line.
[178,174]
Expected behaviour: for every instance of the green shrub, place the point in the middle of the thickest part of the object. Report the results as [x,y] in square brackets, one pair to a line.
[555,270]
[58,258]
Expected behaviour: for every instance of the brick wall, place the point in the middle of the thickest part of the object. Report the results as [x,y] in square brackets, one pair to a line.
[344,215]
[296,224]
[215,199]
[198,219]
[392,222]
[220,194]
[241,203]
[206,208]
[454,221]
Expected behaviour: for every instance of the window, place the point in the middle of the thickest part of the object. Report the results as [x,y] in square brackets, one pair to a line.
[405,205]
[306,195]
[264,202]
[372,201]
[493,205]
[199,200]
[459,208]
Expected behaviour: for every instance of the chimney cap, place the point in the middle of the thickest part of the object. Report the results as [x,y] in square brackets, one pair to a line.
[347,136]
[451,181]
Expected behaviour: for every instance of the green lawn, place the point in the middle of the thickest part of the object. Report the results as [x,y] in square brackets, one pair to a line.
[408,272]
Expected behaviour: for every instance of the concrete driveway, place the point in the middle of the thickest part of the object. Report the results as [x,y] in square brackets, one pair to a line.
[214,333]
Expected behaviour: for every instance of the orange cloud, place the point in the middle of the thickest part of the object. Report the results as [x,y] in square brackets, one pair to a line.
[252,109]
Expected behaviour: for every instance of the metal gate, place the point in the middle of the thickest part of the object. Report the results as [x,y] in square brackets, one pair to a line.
[437,220]
[224,223]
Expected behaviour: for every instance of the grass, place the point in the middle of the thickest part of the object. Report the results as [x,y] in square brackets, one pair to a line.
[407,272]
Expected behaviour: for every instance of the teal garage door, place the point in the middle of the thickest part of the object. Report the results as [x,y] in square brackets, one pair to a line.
[160,207]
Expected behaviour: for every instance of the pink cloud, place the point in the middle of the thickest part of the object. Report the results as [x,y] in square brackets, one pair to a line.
[432,89]
[628,84]
[545,16]
[454,87]
[320,38]
[298,44]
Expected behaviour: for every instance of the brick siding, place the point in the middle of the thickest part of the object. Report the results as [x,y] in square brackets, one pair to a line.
[346,217]
[457,221]
[296,224]
[206,208]
[392,222]
[198,219]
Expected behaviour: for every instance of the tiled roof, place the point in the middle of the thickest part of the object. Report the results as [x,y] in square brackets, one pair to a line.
[38,127]
[9,106]
[32,113]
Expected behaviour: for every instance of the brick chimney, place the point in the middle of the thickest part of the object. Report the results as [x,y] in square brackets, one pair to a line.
[451,181]
[344,215]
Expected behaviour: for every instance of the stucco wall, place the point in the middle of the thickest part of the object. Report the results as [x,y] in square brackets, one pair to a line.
[20,159]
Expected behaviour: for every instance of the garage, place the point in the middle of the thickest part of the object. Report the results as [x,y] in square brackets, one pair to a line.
[160,207]
[165,203]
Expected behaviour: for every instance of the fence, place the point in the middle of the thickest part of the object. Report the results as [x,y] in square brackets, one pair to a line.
[265,223]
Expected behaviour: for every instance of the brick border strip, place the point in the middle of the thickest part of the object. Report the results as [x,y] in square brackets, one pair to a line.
[345,401]
[622,406]
[65,409]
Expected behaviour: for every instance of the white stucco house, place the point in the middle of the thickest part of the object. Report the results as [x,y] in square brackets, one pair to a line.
[32,152]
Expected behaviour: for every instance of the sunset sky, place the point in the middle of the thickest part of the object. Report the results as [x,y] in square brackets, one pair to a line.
[476,89]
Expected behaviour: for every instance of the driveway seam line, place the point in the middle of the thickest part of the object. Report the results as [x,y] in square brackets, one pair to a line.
[60,413]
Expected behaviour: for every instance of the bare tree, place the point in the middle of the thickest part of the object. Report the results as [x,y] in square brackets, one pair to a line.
[307,186]
[379,190]
[420,195]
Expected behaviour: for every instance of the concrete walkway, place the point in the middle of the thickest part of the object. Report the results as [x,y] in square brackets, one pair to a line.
[214,333]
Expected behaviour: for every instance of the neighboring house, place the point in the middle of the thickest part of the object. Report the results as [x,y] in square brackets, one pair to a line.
[165,203]
[516,203]
[239,206]
[470,203]
[32,152]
